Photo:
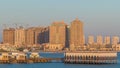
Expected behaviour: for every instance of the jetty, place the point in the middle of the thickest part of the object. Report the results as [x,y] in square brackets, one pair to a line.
[11,58]
[91,57]
[76,57]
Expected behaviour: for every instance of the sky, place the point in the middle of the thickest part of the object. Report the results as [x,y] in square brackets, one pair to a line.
[100,17]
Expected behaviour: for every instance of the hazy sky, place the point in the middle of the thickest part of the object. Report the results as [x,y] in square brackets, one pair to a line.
[99,16]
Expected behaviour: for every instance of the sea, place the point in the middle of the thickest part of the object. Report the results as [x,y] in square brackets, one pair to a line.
[60,64]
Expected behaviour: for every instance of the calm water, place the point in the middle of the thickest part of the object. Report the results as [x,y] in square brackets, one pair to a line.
[60,65]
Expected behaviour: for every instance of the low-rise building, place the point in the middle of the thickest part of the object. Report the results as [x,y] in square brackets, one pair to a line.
[53,47]
[116,47]
[4,57]
[34,55]
[21,56]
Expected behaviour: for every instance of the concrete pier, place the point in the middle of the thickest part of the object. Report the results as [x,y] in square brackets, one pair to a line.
[91,57]
[82,57]
[10,58]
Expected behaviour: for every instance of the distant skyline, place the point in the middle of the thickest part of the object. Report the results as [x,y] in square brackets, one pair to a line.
[100,17]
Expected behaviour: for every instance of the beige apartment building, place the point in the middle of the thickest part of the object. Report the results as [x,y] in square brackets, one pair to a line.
[19,36]
[90,40]
[99,40]
[37,35]
[8,36]
[76,34]
[107,40]
[115,40]
[57,36]
[30,36]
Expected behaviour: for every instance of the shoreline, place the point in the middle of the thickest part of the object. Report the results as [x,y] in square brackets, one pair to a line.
[58,51]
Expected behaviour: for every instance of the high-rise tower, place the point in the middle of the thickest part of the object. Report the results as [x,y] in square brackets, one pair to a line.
[58,33]
[115,40]
[76,34]
[8,36]
[99,40]
[20,36]
[30,36]
[107,40]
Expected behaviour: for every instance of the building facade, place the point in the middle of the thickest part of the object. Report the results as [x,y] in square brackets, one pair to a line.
[76,35]
[107,40]
[8,36]
[99,40]
[58,34]
[30,36]
[46,35]
[115,40]
[19,36]
[90,40]
[41,35]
